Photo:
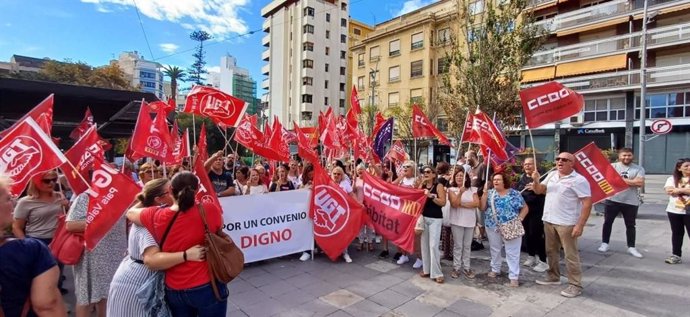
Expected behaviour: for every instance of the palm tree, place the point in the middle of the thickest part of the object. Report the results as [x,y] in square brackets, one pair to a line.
[175,73]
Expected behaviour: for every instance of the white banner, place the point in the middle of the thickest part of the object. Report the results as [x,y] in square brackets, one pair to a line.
[269,225]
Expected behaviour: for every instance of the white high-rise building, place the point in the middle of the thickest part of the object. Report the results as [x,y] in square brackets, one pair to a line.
[147,75]
[306,55]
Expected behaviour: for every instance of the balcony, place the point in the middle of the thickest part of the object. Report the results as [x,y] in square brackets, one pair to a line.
[539,3]
[656,38]
[265,55]
[265,69]
[266,40]
[266,26]
[266,83]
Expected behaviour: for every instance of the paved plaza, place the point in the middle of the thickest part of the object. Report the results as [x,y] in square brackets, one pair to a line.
[616,284]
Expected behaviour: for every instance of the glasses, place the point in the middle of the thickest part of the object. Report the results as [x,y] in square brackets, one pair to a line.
[428,172]
[337,174]
[563,159]
[49,180]
[406,166]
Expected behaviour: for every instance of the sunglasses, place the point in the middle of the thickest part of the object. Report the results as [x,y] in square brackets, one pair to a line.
[563,159]
[428,172]
[49,180]
[406,166]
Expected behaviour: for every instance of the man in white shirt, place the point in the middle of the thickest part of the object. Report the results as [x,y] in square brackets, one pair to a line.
[567,207]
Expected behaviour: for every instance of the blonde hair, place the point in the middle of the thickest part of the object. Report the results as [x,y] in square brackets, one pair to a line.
[32,190]
[151,190]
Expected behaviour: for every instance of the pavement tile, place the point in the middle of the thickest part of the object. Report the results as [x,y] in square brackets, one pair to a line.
[291,299]
[340,279]
[234,313]
[252,271]
[470,309]
[416,308]
[277,288]
[340,313]
[266,307]
[249,298]
[447,313]
[408,289]
[314,308]
[366,308]
[366,288]
[382,266]
[261,280]
[320,289]
[341,298]
[302,280]
[390,299]
[239,286]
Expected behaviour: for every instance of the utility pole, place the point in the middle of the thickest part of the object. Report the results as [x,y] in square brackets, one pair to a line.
[643,86]
[372,101]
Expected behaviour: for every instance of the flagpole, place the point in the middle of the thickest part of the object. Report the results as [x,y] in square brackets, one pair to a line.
[165,171]
[534,150]
[194,127]
[457,153]
[415,157]
[74,169]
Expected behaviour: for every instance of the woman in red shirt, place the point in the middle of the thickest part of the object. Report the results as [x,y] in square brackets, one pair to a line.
[188,289]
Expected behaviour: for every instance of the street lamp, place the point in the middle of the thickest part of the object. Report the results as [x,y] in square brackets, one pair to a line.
[643,86]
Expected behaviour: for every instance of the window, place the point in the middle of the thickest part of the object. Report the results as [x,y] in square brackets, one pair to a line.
[394,74]
[477,7]
[343,38]
[306,115]
[143,74]
[308,28]
[393,99]
[607,109]
[309,11]
[394,48]
[343,23]
[307,81]
[417,40]
[360,83]
[416,96]
[343,54]
[343,6]
[325,84]
[308,46]
[360,60]
[357,31]
[443,36]
[342,71]
[326,68]
[416,69]
[342,86]
[443,65]
[308,63]
[325,101]
[307,98]
[442,124]
[328,50]
[341,103]
[374,53]
[328,34]
[666,105]
[148,84]
[474,33]
[328,17]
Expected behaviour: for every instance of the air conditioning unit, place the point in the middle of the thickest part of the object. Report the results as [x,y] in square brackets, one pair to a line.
[576,121]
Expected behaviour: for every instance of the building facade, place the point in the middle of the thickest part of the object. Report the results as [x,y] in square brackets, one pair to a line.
[142,73]
[594,47]
[306,59]
[235,81]
[357,31]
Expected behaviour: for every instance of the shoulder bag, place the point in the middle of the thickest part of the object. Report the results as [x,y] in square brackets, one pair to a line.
[66,247]
[224,258]
[510,230]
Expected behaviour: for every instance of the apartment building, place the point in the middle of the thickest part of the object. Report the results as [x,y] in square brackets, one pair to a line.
[142,73]
[356,32]
[235,81]
[306,58]
[594,47]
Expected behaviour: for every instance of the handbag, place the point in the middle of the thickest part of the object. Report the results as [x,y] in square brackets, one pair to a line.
[446,212]
[66,247]
[224,258]
[509,230]
[151,293]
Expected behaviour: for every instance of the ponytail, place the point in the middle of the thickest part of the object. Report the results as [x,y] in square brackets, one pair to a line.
[184,188]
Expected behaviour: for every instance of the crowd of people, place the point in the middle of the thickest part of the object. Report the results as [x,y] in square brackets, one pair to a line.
[163,231]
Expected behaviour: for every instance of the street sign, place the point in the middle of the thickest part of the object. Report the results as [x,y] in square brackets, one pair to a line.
[661,126]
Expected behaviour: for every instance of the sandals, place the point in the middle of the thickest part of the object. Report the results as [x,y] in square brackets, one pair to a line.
[454,274]
[439,280]
[422,274]
[492,274]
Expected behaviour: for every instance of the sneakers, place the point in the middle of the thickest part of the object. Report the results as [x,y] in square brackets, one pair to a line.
[468,274]
[347,258]
[548,281]
[541,267]
[530,261]
[418,264]
[571,291]
[403,259]
[305,256]
[673,259]
[604,247]
[634,252]
[513,283]
[383,254]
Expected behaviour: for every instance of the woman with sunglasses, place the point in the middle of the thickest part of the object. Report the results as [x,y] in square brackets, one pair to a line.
[433,219]
[678,209]
[463,202]
[36,213]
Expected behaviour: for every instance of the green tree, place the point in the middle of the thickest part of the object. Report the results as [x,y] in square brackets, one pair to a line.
[175,73]
[197,70]
[402,115]
[214,137]
[485,60]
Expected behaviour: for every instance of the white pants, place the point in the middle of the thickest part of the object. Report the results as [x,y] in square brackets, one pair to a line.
[462,246]
[366,234]
[431,239]
[512,247]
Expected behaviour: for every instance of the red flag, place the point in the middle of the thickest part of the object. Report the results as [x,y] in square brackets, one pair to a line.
[602,177]
[379,121]
[467,135]
[392,210]
[25,151]
[247,134]
[397,152]
[548,103]
[422,127]
[485,131]
[179,143]
[223,109]
[362,148]
[277,143]
[152,139]
[84,125]
[42,112]
[167,107]
[110,196]
[354,102]
[202,145]
[329,136]
[304,147]
[206,192]
[337,216]
[82,156]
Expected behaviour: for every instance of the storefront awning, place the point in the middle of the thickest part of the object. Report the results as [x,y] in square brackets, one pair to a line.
[538,74]
[593,65]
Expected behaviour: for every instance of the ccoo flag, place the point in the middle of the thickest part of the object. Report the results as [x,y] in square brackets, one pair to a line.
[548,103]
[602,177]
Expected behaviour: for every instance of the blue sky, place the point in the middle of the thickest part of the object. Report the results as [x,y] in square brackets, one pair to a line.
[96,31]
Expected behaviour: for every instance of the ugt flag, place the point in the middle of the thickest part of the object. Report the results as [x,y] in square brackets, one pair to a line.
[337,216]
[548,103]
[603,179]
[393,210]
[210,102]
[81,157]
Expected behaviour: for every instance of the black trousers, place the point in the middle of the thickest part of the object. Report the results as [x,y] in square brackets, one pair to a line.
[535,244]
[678,221]
[629,215]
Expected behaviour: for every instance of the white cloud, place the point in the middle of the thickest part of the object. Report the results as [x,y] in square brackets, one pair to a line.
[219,18]
[169,48]
[411,5]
